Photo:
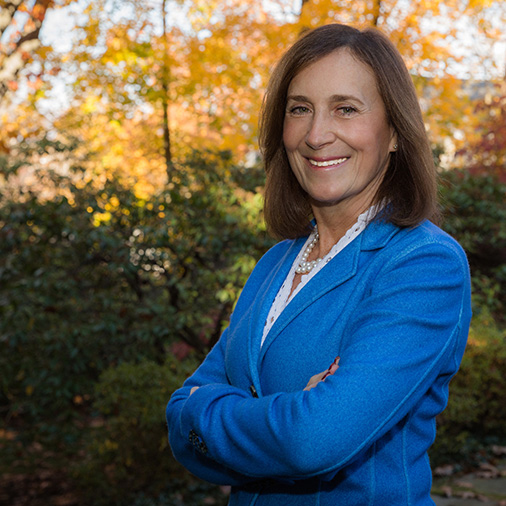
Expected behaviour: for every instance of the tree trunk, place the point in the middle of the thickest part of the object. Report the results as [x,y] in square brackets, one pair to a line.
[166,96]
[376,12]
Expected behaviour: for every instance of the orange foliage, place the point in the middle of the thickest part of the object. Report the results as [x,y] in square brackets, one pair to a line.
[210,72]
[486,152]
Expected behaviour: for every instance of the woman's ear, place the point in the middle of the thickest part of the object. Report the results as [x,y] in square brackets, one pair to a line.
[394,145]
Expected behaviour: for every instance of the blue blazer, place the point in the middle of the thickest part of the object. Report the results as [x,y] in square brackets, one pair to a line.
[395,306]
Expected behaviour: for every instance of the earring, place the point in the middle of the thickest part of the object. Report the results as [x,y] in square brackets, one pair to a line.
[395,147]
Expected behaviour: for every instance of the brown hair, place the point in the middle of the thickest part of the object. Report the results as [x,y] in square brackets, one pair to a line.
[410,180]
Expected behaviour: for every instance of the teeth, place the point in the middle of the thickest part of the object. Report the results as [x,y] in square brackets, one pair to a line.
[327,163]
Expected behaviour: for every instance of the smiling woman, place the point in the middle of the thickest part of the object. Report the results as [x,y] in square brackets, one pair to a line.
[337,138]
[325,387]
[361,74]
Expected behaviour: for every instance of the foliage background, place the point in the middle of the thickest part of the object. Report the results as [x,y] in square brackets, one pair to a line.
[130,218]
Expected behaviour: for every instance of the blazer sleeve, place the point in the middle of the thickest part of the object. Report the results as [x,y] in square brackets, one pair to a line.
[186,447]
[409,331]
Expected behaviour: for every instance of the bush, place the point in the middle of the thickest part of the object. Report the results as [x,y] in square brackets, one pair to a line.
[476,412]
[127,450]
[93,275]
[93,278]
[474,211]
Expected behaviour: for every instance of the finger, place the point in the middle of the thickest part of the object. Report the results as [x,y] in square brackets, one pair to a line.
[314,380]
[332,369]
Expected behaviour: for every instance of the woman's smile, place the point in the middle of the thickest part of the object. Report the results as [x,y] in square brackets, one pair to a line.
[327,163]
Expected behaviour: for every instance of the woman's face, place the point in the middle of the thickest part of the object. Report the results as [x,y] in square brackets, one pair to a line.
[336,133]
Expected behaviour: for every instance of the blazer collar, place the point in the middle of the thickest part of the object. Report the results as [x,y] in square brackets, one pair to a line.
[377,235]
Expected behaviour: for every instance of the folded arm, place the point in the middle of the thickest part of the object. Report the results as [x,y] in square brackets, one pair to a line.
[410,329]
[212,371]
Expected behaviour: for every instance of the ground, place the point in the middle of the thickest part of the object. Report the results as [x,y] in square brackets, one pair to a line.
[487,484]
[484,486]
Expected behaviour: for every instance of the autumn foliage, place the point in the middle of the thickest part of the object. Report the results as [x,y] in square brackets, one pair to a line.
[487,153]
[140,91]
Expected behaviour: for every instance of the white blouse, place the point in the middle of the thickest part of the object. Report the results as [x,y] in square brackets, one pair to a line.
[283,297]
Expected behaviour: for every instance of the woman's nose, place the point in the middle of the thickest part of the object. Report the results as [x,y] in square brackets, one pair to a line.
[320,132]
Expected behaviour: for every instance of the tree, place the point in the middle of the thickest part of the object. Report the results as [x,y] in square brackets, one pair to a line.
[485,152]
[426,33]
[20,25]
[26,66]
[92,275]
[130,70]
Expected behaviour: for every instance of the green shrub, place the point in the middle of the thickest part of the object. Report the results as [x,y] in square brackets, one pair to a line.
[127,451]
[474,212]
[93,275]
[476,412]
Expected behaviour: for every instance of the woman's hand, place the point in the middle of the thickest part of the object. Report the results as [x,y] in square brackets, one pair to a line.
[321,376]
[314,380]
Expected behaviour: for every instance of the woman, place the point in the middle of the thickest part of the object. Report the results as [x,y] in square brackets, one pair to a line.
[362,275]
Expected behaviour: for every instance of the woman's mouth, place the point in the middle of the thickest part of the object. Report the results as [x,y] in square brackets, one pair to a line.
[327,163]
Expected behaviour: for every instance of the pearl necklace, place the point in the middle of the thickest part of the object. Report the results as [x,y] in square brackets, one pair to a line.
[305,266]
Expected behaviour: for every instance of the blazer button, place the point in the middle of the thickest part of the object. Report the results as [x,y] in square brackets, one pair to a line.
[195,440]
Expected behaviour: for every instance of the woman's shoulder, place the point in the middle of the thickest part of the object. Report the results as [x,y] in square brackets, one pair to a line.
[429,233]
[276,261]
[397,242]
[279,252]
[429,238]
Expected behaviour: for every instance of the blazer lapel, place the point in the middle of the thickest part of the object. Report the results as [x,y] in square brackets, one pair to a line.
[339,270]
[262,305]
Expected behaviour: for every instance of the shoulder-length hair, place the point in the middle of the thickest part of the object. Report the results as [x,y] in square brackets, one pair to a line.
[409,184]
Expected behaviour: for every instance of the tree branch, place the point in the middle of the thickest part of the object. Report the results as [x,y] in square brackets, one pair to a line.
[7,13]
[224,310]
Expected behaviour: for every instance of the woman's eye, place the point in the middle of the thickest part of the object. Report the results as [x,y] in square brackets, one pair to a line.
[346,110]
[298,110]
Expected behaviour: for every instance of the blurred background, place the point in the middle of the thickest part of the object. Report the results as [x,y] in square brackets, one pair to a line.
[130,217]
